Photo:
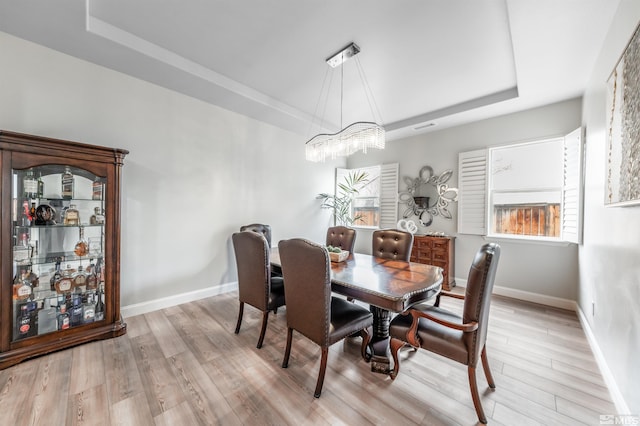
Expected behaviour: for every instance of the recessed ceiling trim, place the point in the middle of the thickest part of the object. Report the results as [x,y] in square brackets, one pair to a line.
[454,109]
[117,35]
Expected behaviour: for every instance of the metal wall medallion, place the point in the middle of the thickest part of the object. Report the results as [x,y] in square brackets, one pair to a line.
[428,195]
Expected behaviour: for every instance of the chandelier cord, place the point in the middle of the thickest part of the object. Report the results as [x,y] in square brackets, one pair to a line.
[341,89]
[326,100]
[315,111]
[367,90]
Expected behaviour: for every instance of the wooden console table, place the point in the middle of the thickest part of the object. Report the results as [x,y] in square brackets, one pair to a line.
[437,251]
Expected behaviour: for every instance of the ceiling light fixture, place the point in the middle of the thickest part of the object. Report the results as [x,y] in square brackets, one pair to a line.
[358,136]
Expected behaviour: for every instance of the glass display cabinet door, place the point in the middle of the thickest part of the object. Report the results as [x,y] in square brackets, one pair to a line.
[58,237]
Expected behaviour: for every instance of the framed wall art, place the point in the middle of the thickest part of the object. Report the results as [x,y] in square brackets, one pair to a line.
[622,186]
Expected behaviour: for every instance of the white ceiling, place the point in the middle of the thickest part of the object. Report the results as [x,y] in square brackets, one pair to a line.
[431,61]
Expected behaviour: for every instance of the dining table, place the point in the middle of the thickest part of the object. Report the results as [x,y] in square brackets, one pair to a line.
[387,285]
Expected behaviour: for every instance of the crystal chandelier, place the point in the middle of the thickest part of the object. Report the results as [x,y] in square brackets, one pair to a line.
[358,136]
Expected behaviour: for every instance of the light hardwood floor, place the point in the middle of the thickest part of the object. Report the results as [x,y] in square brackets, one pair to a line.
[185,366]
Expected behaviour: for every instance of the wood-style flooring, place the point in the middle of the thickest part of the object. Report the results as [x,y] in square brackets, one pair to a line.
[185,366]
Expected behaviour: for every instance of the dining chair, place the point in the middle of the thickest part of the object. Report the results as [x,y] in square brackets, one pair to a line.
[256,286]
[259,228]
[342,237]
[265,230]
[311,309]
[460,338]
[392,244]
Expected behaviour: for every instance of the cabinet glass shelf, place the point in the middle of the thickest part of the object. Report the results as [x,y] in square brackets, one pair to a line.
[83,225]
[72,200]
[54,257]
[59,226]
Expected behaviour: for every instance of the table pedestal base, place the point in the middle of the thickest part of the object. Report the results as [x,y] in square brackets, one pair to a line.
[379,345]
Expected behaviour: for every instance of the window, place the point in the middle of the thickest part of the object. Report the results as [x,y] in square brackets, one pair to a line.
[525,189]
[529,190]
[376,199]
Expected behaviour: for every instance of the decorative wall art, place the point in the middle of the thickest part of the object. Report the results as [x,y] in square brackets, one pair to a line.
[428,195]
[622,187]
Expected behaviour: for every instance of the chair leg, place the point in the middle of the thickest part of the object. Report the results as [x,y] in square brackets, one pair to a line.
[437,301]
[475,395]
[240,311]
[366,338]
[487,370]
[287,351]
[265,319]
[395,345]
[323,368]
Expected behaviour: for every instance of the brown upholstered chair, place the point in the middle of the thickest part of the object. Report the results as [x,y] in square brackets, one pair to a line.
[392,244]
[311,310]
[266,231]
[341,236]
[460,338]
[260,229]
[256,286]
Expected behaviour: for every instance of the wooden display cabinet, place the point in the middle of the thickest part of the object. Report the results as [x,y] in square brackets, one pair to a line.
[60,205]
[437,251]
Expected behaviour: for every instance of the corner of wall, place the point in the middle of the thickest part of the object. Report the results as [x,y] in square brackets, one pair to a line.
[616,395]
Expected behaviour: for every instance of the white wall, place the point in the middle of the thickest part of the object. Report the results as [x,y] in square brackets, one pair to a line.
[195,173]
[609,267]
[548,270]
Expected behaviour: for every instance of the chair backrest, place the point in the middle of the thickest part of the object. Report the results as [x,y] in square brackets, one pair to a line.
[259,228]
[392,244]
[306,270]
[254,268]
[341,236]
[477,299]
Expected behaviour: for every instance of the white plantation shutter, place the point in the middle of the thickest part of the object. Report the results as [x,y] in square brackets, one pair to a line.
[472,192]
[388,195]
[571,188]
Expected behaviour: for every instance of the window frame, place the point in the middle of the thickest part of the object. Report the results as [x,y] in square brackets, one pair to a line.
[475,208]
[387,194]
[493,192]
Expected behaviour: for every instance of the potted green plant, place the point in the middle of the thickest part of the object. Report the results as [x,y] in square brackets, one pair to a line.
[340,203]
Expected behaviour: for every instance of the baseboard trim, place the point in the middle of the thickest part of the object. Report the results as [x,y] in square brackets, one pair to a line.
[616,395]
[166,302]
[542,299]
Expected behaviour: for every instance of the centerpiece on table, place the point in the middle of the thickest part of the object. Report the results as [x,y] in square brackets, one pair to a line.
[336,254]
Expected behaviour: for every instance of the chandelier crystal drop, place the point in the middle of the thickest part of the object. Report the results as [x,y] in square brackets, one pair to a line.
[359,136]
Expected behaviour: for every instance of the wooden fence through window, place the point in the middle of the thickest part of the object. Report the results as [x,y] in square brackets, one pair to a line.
[370,216]
[542,220]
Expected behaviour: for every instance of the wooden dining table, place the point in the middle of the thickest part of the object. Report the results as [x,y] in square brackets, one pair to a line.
[387,286]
